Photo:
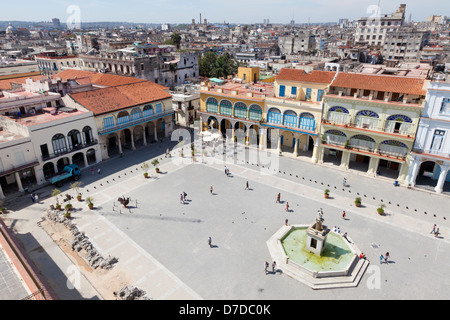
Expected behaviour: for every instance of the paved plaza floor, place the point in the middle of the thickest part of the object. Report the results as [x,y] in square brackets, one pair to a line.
[162,244]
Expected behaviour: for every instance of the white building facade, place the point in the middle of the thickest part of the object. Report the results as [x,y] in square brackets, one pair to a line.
[430,159]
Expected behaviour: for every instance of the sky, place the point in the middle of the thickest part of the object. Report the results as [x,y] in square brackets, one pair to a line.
[230,11]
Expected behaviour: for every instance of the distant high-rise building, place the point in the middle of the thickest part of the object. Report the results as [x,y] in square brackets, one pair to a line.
[56,22]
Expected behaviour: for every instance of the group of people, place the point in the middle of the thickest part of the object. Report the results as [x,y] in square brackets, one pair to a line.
[34,197]
[435,231]
[266,267]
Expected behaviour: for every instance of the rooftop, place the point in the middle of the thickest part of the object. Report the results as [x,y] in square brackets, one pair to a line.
[300,75]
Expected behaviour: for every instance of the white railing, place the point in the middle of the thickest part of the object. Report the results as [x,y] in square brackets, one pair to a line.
[405,128]
[367,123]
[338,117]
[393,150]
[362,144]
[334,139]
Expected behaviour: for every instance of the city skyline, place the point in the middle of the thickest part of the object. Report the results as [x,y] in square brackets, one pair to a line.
[176,11]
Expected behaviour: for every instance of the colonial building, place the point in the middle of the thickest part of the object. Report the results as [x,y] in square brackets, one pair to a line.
[369,123]
[430,159]
[40,135]
[50,63]
[296,110]
[128,115]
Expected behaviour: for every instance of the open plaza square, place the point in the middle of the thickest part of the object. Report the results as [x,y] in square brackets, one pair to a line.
[160,239]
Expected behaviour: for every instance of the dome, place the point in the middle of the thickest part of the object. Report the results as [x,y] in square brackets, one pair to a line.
[11,29]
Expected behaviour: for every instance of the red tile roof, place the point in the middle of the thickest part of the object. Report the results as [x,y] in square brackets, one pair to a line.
[300,75]
[384,83]
[111,99]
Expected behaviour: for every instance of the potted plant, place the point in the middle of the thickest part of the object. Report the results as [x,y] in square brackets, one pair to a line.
[76,186]
[90,203]
[145,167]
[68,207]
[358,202]
[326,193]
[56,193]
[67,214]
[380,209]
[155,164]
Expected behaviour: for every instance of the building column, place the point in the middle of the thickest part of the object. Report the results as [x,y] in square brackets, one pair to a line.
[373,165]
[133,147]
[345,159]
[279,143]
[85,159]
[18,181]
[262,139]
[2,195]
[441,180]
[155,132]
[119,142]
[411,178]
[315,155]
[296,146]
[144,138]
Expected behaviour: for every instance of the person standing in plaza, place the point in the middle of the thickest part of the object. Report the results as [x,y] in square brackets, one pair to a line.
[381,259]
[181,198]
[274,265]
[98,170]
[278,198]
[434,229]
[211,190]
[436,234]
[287,206]
[210,242]
[32,197]
[246,185]
[286,222]
[266,267]
[36,198]
[344,182]
[343,215]
[386,257]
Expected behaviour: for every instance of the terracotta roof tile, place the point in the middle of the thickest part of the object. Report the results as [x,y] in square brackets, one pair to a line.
[300,75]
[384,83]
[111,99]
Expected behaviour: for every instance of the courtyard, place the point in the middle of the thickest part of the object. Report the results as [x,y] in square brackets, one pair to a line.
[161,244]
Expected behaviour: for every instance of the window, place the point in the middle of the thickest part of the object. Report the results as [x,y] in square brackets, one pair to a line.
[240,110]
[282,91]
[438,138]
[294,91]
[319,94]
[445,107]
[308,94]
[59,143]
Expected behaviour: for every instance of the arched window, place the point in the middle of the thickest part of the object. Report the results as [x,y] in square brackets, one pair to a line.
[399,118]
[334,137]
[290,119]
[393,148]
[87,135]
[136,113]
[307,121]
[226,108]
[240,110]
[212,105]
[362,142]
[123,117]
[367,113]
[367,119]
[74,138]
[59,143]
[399,123]
[148,111]
[274,116]
[338,115]
[255,112]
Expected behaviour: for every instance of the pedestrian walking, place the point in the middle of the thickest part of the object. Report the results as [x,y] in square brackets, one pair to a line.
[98,170]
[266,266]
[274,265]
[278,198]
[36,198]
[211,190]
[286,222]
[167,153]
[246,185]
[181,198]
[345,237]
[436,234]
[434,229]
[287,206]
[381,259]
[32,197]
[210,242]
[343,214]
[184,196]
[386,257]
[344,182]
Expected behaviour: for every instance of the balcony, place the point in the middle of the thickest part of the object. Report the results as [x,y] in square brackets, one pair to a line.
[338,118]
[69,150]
[393,151]
[334,139]
[362,145]
[402,128]
[135,120]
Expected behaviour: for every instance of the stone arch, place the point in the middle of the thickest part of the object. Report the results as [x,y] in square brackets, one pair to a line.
[78,159]
[61,163]
[148,110]
[123,117]
[136,113]
[88,138]
[91,156]
[74,139]
[48,170]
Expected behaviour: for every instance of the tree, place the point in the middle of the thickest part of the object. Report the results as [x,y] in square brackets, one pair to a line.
[176,39]
[206,64]
[222,66]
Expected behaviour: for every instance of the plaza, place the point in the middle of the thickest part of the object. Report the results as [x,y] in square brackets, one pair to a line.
[162,248]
